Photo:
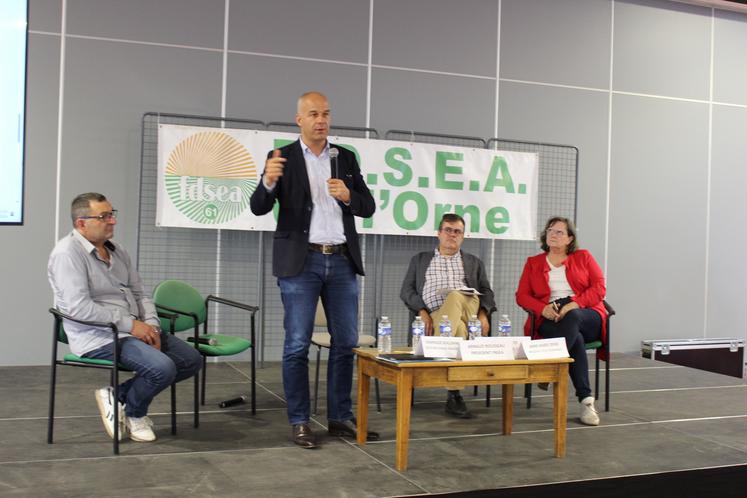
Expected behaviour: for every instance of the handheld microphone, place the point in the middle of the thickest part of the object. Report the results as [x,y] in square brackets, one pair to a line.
[204,340]
[232,402]
[333,153]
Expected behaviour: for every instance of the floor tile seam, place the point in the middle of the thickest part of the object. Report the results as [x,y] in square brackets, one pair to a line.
[153,414]
[386,466]
[551,429]
[538,396]
[700,437]
[242,373]
[152,455]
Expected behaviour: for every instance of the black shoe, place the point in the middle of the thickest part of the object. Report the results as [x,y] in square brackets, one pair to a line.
[347,429]
[303,436]
[456,406]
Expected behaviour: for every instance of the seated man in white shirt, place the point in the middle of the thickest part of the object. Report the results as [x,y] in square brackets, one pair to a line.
[448,267]
[93,279]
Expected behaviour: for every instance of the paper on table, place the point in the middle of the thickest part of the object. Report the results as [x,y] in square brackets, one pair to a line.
[464,290]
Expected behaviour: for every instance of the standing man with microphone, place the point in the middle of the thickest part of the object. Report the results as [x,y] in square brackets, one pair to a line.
[316,254]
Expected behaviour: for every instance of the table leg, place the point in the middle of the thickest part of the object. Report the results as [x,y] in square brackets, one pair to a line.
[404,398]
[560,409]
[508,408]
[364,384]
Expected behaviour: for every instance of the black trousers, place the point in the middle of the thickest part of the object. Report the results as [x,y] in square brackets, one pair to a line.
[578,327]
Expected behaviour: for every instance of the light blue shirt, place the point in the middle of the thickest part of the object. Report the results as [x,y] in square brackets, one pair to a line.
[326,217]
[89,288]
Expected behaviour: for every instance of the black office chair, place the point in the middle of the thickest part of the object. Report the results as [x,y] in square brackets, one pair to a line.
[598,346]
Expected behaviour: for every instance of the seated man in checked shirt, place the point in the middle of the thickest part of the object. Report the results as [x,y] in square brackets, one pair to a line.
[447,267]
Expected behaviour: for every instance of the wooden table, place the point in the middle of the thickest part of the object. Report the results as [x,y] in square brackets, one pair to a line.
[456,374]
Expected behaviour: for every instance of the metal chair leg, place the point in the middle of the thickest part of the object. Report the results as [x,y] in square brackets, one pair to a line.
[528,394]
[204,377]
[607,383]
[378,396]
[196,421]
[316,378]
[173,409]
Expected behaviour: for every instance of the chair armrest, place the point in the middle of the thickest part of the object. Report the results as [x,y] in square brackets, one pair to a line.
[161,307]
[107,325]
[235,304]
[609,308]
[171,318]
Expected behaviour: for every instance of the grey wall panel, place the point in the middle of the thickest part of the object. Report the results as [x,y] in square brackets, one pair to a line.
[556,42]
[267,88]
[730,58]
[566,116]
[727,265]
[656,268]
[662,48]
[438,35]
[434,103]
[323,29]
[27,327]
[45,15]
[108,87]
[183,22]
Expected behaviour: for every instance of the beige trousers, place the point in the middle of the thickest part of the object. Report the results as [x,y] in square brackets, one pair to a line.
[459,308]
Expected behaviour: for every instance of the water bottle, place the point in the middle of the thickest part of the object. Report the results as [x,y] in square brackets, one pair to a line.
[444,326]
[385,335]
[504,326]
[474,328]
[418,330]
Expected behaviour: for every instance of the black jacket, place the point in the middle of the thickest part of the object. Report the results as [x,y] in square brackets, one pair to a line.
[293,193]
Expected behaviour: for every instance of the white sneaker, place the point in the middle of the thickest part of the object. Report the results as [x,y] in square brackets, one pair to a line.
[105,401]
[589,415]
[141,429]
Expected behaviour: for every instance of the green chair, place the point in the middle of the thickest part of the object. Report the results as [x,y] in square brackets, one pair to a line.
[179,297]
[598,346]
[72,360]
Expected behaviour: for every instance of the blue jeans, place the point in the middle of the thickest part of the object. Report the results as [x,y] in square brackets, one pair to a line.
[578,327]
[154,370]
[333,278]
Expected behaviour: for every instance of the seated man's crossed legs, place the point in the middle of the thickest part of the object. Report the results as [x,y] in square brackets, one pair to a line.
[459,308]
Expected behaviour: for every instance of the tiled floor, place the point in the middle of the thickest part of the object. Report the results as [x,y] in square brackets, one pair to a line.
[663,417]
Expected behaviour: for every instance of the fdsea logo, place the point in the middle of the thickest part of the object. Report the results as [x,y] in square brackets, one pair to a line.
[210,177]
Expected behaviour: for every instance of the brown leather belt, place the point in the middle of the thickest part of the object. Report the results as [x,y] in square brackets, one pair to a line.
[329,249]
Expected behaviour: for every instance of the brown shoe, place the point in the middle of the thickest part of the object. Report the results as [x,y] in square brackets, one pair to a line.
[303,436]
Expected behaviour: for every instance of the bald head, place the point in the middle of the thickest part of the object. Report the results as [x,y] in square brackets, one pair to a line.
[309,96]
[313,118]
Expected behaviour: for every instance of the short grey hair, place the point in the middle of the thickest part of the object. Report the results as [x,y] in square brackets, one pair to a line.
[81,205]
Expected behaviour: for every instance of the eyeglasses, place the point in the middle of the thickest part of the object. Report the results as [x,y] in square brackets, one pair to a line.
[104,217]
[452,231]
[559,233]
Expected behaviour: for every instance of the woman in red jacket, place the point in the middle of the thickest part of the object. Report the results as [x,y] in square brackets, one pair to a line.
[564,287]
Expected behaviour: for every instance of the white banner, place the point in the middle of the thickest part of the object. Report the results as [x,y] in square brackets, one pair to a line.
[206,177]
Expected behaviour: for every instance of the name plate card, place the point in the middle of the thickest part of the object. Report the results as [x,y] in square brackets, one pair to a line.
[518,350]
[487,348]
[433,346]
[545,349]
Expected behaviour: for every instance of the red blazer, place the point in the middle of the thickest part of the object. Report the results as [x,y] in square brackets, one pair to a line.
[584,276]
